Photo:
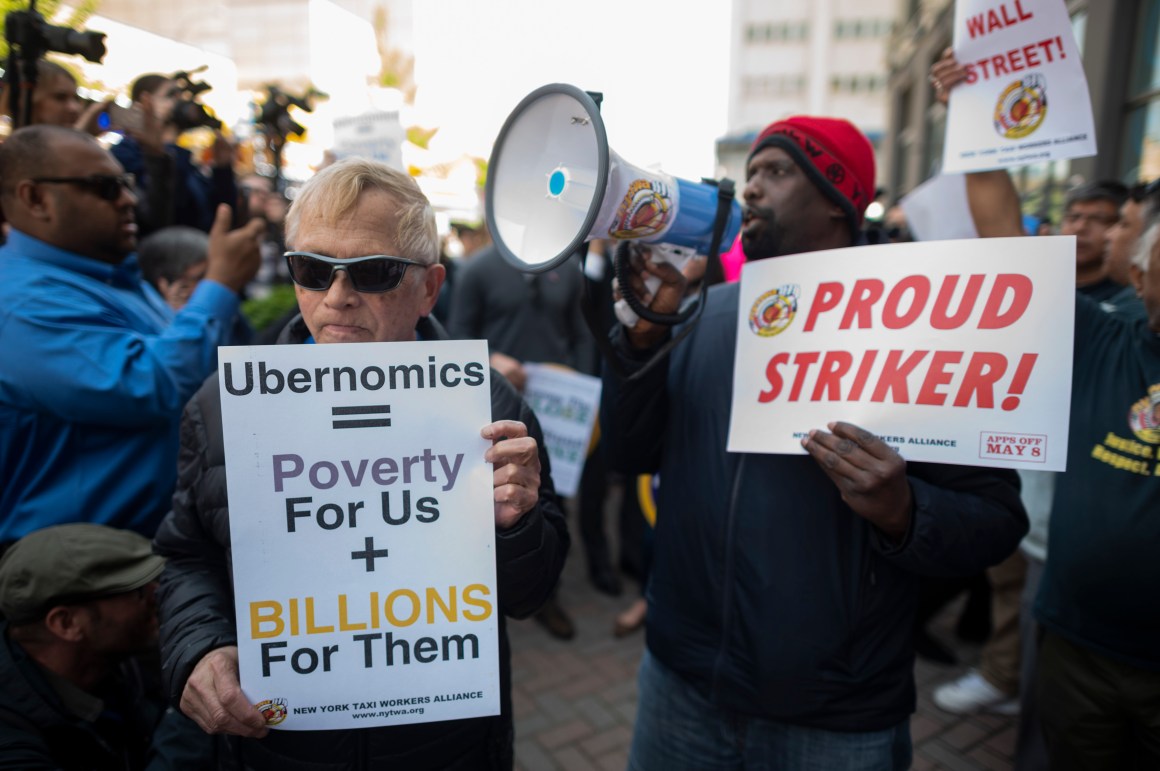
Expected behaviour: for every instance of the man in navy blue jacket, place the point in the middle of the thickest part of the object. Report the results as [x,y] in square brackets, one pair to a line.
[195,194]
[783,588]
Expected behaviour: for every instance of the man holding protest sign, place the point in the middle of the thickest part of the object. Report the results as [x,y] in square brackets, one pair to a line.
[1098,668]
[783,588]
[351,209]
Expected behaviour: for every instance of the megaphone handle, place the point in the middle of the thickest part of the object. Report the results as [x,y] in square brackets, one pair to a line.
[676,257]
[621,270]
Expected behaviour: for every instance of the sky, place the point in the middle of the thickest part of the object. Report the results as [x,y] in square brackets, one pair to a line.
[662,67]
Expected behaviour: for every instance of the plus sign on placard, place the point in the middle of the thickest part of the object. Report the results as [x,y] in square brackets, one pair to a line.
[369,553]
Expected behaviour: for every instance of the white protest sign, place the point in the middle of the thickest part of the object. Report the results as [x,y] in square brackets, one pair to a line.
[1025,99]
[937,210]
[950,351]
[376,136]
[565,403]
[362,530]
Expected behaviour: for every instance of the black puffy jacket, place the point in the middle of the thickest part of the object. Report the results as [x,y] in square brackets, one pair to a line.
[197,610]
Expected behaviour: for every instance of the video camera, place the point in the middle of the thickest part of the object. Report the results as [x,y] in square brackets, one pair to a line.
[274,115]
[29,38]
[29,33]
[188,113]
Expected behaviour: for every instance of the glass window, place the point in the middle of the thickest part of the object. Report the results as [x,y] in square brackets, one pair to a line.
[1079,28]
[1141,160]
[1146,61]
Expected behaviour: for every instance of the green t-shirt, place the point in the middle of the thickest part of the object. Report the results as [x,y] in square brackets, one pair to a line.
[1101,585]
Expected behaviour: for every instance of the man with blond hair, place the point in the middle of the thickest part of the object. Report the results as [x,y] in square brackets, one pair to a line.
[365,263]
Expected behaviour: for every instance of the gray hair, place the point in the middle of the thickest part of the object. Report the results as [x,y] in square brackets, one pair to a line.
[332,194]
[170,252]
[1146,243]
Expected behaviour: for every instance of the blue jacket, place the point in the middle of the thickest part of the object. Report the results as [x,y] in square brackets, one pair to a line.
[94,373]
[767,592]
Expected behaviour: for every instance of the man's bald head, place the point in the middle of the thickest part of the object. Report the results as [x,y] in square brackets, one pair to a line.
[61,187]
[33,151]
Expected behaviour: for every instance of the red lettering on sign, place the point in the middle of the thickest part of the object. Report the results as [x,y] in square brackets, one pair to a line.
[995,19]
[940,317]
[834,366]
[803,361]
[863,375]
[893,377]
[774,377]
[1021,288]
[920,286]
[983,371]
[829,293]
[1016,59]
[827,381]
[867,291]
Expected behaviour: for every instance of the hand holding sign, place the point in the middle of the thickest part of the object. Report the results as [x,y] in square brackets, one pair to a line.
[1024,96]
[945,74]
[515,457]
[214,700]
[870,475]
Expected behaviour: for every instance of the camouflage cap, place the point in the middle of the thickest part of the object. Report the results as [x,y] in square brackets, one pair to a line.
[72,563]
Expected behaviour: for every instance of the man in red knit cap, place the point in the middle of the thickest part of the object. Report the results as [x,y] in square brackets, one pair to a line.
[782,592]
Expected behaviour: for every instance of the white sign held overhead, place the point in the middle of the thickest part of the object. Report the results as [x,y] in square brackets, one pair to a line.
[1025,99]
[362,531]
[376,136]
[951,351]
[937,210]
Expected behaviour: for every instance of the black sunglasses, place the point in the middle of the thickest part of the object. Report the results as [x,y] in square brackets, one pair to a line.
[376,273]
[106,186]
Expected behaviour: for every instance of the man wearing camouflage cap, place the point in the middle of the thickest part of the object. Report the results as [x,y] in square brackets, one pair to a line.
[78,604]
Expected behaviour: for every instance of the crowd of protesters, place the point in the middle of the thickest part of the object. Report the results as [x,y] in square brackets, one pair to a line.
[783,595]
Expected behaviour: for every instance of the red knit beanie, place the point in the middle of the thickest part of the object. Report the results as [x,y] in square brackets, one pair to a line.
[834,154]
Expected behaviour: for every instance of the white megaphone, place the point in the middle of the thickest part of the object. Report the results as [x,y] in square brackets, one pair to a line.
[553,183]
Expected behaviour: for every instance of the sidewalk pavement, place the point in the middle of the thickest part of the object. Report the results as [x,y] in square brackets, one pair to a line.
[575,701]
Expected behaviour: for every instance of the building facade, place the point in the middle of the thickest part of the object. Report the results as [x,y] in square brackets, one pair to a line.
[813,57]
[295,43]
[1120,41]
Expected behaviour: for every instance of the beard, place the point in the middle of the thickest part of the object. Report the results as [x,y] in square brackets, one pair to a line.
[766,237]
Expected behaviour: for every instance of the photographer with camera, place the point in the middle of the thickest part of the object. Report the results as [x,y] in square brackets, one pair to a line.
[37,90]
[195,195]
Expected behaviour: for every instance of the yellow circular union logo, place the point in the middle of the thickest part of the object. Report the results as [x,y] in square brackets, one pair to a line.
[1021,107]
[1144,417]
[273,710]
[773,311]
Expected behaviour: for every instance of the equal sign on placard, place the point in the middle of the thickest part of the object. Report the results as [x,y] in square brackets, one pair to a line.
[370,409]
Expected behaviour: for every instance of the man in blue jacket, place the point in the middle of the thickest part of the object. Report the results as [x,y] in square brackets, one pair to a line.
[783,587]
[96,367]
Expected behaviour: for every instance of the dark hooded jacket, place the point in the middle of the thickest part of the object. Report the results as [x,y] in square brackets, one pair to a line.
[134,732]
[768,593]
